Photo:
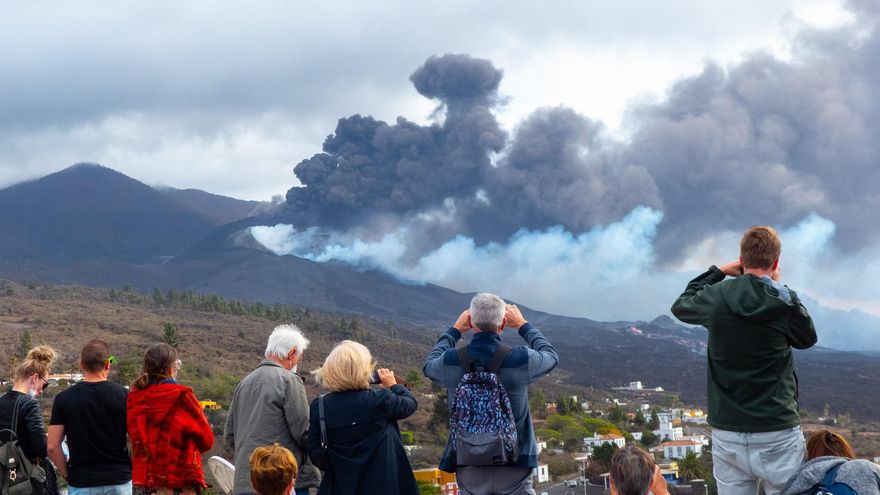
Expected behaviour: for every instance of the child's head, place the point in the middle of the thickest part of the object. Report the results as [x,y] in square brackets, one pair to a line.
[273,470]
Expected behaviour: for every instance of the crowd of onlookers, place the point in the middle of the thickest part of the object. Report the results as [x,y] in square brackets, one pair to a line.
[347,440]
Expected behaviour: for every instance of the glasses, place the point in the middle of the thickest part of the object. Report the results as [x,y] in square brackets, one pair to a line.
[45,384]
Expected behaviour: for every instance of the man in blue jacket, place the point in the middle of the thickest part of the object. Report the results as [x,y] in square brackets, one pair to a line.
[489,315]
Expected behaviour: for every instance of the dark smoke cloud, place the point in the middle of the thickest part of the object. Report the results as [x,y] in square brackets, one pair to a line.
[766,141]
[370,168]
[560,171]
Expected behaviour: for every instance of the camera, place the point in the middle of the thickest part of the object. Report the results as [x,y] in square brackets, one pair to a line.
[374,378]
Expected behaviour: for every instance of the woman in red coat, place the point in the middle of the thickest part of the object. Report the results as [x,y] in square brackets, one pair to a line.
[168,430]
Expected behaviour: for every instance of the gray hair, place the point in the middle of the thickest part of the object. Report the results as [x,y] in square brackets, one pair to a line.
[487,312]
[631,471]
[284,339]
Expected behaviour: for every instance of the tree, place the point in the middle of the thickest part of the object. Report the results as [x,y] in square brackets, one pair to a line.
[654,422]
[640,419]
[562,405]
[407,437]
[24,345]
[439,422]
[649,439]
[617,415]
[537,402]
[690,467]
[414,377]
[602,454]
[171,338]
[426,488]
[560,465]
[158,298]
[127,371]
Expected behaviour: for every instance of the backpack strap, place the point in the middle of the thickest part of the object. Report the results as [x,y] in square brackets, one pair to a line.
[831,475]
[498,358]
[323,422]
[15,410]
[467,364]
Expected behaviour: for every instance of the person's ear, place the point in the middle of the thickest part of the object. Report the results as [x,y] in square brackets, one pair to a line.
[503,322]
[290,488]
[775,265]
[470,325]
[291,356]
[613,488]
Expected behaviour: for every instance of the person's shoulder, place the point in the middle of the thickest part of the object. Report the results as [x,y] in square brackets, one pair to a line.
[518,356]
[860,467]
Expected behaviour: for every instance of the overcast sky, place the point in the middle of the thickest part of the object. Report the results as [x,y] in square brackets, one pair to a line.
[229,96]
[638,138]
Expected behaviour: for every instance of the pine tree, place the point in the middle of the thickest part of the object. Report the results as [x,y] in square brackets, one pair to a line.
[171,338]
[24,345]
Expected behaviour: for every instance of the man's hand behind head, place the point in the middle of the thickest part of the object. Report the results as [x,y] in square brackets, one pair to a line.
[513,318]
[463,323]
[732,269]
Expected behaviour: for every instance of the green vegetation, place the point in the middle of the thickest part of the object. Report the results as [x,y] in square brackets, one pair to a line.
[24,345]
[171,338]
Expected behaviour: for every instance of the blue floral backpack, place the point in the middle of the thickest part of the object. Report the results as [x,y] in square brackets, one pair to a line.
[482,429]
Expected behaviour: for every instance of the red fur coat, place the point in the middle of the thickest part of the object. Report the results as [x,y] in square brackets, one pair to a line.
[168,432]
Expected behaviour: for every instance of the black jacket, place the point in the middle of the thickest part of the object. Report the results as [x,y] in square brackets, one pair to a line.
[365,454]
[29,430]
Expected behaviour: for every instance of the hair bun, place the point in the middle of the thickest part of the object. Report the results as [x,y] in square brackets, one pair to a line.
[42,354]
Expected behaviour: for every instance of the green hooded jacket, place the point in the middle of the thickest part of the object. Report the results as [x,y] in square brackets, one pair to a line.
[752,328]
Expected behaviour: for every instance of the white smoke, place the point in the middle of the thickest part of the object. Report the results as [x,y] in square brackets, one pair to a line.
[607,273]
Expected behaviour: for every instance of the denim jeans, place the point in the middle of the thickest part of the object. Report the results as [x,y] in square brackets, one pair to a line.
[741,460]
[494,480]
[123,489]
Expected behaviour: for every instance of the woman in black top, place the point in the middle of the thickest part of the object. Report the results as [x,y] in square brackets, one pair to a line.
[31,378]
[364,454]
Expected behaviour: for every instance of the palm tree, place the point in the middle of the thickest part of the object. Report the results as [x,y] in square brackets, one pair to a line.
[690,467]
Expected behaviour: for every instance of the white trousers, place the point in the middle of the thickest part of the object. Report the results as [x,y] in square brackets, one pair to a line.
[741,460]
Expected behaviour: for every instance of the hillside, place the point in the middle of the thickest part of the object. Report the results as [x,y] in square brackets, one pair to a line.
[92,212]
[92,226]
[219,209]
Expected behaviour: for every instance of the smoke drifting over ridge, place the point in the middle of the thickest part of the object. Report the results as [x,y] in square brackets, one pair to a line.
[766,141]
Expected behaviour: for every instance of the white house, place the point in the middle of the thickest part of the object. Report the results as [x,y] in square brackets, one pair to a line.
[637,435]
[678,448]
[541,473]
[666,431]
[597,440]
[542,445]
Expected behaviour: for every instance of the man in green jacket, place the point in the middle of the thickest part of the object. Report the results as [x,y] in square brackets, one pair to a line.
[753,322]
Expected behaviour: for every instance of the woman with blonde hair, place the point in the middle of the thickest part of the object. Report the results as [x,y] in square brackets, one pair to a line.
[353,432]
[830,460]
[21,413]
[168,429]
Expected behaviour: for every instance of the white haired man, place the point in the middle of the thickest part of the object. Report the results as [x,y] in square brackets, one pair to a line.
[517,367]
[270,406]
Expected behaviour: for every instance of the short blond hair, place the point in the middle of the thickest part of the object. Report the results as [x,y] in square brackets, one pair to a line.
[348,367]
[273,467]
[760,247]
